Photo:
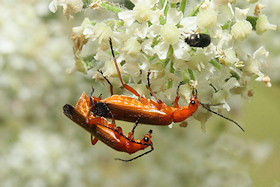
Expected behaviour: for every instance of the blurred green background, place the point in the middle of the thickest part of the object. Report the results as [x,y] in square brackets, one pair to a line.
[40,147]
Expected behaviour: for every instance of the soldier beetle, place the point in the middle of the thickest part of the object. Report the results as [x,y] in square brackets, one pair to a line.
[108,133]
[144,110]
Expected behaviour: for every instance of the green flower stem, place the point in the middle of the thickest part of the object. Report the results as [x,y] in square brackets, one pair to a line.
[227,25]
[172,5]
[234,74]
[191,74]
[185,76]
[162,19]
[162,2]
[216,64]
[195,10]
[183,6]
[170,82]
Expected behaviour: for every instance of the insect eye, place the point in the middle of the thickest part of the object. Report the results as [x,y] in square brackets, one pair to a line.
[146,139]
[192,102]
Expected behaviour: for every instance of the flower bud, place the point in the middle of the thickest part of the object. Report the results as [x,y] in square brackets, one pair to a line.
[262,25]
[170,33]
[241,30]
[229,57]
[206,19]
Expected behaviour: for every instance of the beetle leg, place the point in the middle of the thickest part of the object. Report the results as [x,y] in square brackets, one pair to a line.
[131,134]
[111,86]
[93,140]
[111,115]
[176,104]
[149,87]
[119,73]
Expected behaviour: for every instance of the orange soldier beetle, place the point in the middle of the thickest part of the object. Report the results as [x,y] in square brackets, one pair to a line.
[145,110]
[108,133]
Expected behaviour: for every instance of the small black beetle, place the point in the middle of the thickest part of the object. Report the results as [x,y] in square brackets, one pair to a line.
[198,40]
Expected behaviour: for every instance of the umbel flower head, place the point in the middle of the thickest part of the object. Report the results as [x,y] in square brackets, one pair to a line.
[151,36]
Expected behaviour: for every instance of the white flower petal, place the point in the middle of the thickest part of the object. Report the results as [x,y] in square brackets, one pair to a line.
[261,53]
[138,30]
[102,56]
[132,46]
[263,25]
[174,16]
[88,31]
[127,17]
[53,6]
[189,24]
[241,14]
[147,47]
[154,31]
[181,50]
[161,50]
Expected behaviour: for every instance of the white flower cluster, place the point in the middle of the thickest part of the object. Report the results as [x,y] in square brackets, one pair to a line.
[151,36]
[69,6]
[29,52]
[42,158]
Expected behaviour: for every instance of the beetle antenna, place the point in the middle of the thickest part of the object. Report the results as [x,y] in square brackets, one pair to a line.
[152,148]
[208,104]
[203,105]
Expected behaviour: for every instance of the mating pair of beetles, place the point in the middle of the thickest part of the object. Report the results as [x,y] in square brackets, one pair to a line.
[91,112]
